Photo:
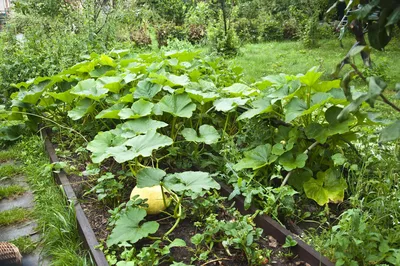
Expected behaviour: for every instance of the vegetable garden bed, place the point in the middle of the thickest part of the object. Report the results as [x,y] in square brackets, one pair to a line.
[89,213]
[180,122]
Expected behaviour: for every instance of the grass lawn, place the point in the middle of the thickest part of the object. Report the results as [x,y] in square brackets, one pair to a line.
[259,60]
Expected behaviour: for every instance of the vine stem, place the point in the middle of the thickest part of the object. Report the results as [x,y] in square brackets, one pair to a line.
[312,146]
[179,206]
[211,261]
[52,121]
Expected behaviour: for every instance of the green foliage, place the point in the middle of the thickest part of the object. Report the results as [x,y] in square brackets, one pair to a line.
[240,233]
[107,188]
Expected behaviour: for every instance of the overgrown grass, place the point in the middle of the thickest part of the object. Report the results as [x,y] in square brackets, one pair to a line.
[259,60]
[9,170]
[55,216]
[17,215]
[24,244]
[11,191]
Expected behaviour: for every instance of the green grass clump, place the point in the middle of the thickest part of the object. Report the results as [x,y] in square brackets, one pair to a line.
[9,170]
[24,244]
[16,215]
[7,155]
[11,191]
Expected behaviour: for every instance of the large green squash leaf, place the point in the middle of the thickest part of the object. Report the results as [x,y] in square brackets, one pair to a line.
[100,145]
[129,228]
[85,106]
[113,84]
[391,132]
[328,187]
[146,89]
[207,134]
[228,104]
[178,105]
[112,112]
[89,88]
[239,89]
[256,158]
[34,93]
[139,126]
[260,106]
[65,96]
[149,177]
[291,161]
[138,109]
[195,182]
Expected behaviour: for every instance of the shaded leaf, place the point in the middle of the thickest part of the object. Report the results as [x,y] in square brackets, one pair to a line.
[256,158]
[149,177]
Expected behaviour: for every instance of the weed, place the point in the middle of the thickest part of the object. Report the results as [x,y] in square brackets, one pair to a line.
[17,215]
[11,191]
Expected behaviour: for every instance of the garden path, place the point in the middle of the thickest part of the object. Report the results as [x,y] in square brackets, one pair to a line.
[27,227]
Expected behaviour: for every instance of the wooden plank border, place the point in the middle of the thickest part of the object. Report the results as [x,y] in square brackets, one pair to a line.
[85,230]
[271,227]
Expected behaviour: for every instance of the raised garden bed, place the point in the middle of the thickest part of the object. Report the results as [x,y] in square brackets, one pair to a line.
[92,218]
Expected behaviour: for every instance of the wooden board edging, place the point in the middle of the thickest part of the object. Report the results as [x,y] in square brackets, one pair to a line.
[274,229]
[85,230]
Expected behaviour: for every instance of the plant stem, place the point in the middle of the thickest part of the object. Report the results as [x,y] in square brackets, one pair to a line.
[385,100]
[173,128]
[211,261]
[52,121]
[225,126]
[178,215]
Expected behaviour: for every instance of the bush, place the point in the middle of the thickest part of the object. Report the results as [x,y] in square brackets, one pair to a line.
[196,33]
[270,28]
[168,30]
[222,42]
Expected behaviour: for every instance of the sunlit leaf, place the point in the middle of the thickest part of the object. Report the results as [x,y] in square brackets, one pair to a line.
[191,181]
[178,105]
[146,89]
[138,109]
[89,88]
[149,177]
[228,104]
[328,187]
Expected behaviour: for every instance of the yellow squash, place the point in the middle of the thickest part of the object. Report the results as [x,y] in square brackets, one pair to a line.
[154,198]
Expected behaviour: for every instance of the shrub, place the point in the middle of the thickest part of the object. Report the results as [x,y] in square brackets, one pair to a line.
[196,33]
